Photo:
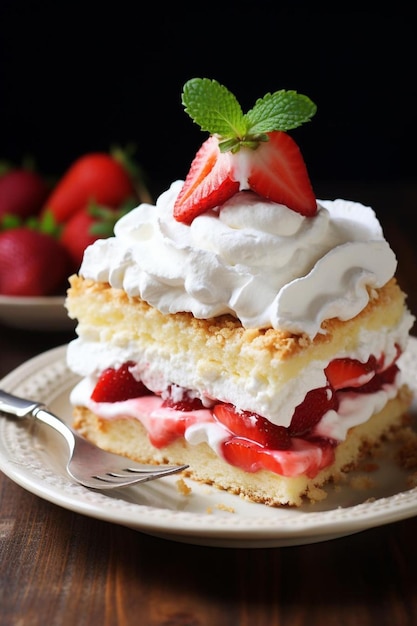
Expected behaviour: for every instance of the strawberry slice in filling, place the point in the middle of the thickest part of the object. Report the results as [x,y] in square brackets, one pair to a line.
[248,440]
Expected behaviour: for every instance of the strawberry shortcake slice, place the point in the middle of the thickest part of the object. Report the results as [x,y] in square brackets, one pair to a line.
[241,326]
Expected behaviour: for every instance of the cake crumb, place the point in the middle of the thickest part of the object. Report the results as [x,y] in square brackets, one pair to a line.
[361,482]
[183,488]
[315,494]
[223,507]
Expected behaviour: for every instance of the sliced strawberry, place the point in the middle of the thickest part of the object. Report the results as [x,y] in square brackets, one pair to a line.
[382,363]
[252,426]
[181,400]
[162,433]
[307,414]
[386,377]
[304,458]
[208,184]
[277,171]
[342,373]
[117,385]
[248,456]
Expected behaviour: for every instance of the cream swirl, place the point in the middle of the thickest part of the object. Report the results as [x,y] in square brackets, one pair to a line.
[257,260]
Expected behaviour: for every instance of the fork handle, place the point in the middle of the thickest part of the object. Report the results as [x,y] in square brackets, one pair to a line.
[23,408]
[19,407]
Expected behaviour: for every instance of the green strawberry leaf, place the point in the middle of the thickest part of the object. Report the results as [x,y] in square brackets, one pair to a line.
[126,158]
[48,225]
[45,224]
[5,167]
[9,221]
[105,218]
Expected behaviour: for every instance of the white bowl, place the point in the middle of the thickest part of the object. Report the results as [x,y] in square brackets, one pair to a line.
[46,313]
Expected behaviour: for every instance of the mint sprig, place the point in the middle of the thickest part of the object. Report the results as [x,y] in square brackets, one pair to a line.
[216,110]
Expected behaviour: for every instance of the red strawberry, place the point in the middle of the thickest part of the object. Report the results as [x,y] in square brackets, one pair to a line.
[32,263]
[277,172]
[249,456]
[342,373]
[182,401]
[252,426]
[97,177]
[252,457]
[22,192]
[90,223]
[116,385]
[375,384]
[76,236]
[208,184]
[307,414]
[245,151]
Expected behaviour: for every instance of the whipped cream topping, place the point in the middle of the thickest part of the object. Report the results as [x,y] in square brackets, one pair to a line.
[257,260]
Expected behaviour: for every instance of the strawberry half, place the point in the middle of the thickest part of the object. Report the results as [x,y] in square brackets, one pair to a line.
[277,172]
[208,184]
[245,151]
[117,385]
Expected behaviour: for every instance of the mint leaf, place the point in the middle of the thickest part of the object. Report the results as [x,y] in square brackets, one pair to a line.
[213,107]
[282,110]
[216,110]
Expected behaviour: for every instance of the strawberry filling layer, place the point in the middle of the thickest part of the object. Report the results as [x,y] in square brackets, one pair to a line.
[245,439]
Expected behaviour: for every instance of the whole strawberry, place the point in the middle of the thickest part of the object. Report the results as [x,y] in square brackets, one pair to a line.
[98,177]
[88,224]
[22,192]
[249,151]
[32,263]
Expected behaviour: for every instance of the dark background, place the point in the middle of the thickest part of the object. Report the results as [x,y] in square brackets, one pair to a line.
[76,77]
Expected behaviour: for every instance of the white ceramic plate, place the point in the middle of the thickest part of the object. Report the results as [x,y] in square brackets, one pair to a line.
[34,457]
[35,313]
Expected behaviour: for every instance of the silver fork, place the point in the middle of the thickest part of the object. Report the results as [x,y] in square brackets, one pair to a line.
[88,464]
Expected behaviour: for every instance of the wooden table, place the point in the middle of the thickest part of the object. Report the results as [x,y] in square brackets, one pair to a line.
[62,568]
